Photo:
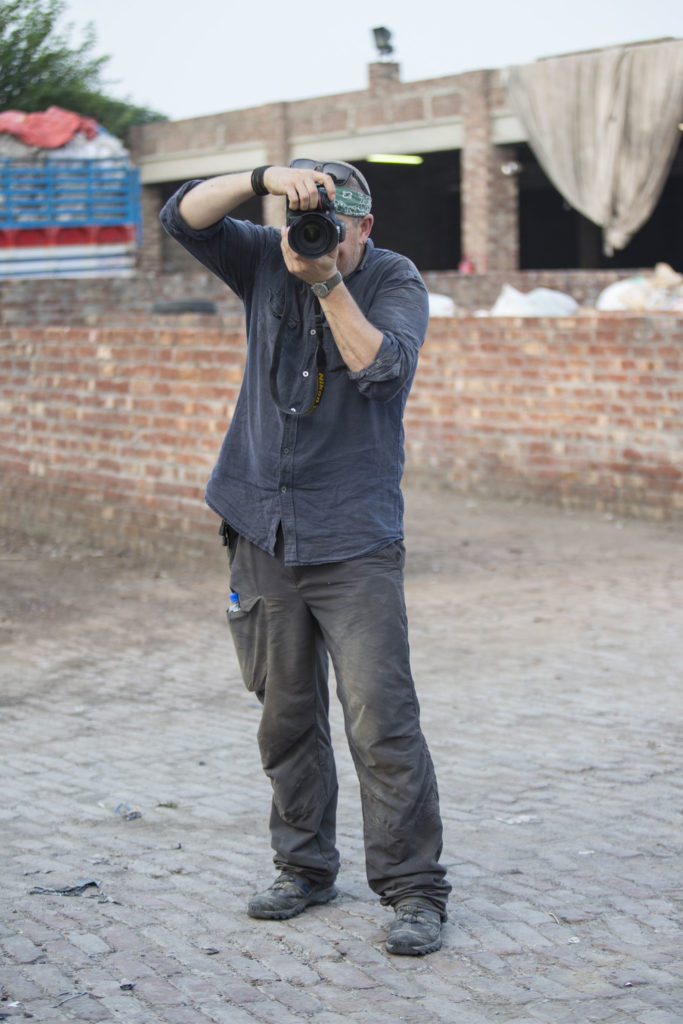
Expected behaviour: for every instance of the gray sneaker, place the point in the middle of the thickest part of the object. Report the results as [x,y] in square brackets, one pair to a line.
[415,930]
[288,896]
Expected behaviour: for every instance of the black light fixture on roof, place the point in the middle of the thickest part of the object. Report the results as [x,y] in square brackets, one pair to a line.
[383,41]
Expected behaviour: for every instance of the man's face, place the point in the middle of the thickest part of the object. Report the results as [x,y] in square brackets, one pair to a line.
[350,251]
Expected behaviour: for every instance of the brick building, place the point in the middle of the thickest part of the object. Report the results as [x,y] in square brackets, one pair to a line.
[113,407]
[479,191]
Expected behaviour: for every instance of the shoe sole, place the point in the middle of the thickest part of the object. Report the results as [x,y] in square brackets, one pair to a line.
[313,899]
[400,950]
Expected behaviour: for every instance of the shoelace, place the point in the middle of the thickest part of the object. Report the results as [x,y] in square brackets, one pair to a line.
[286,882]
[411,915]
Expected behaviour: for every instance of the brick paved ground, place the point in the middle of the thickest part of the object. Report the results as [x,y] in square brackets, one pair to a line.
[548,650]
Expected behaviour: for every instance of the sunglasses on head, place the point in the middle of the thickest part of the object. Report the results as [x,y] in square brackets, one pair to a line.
[339,172]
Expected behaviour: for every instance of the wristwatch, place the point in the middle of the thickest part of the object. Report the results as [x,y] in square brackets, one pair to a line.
[321,289]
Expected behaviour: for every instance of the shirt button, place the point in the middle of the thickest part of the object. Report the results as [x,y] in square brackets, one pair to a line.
[305,373]
[284,490]
[285,451]
[313,331]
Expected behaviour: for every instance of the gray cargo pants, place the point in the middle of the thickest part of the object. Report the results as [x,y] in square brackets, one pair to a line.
[291,618]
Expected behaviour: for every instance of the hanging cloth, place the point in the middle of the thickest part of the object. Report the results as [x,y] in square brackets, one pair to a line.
[604,128]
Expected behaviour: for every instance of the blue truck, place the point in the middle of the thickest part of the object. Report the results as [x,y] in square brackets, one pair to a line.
[69,217]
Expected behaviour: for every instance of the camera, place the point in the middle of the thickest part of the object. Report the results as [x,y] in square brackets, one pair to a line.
[314,233]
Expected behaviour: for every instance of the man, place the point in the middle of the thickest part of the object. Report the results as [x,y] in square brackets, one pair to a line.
[307,485]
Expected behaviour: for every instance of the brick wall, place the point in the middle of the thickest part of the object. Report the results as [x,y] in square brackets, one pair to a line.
[112,433]
[584,411]
[387,102]
[116,301]
[129,301]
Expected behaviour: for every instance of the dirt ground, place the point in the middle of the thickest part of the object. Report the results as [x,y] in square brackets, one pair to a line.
[564,566]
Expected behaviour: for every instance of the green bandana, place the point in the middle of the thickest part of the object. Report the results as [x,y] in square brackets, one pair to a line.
[351,203]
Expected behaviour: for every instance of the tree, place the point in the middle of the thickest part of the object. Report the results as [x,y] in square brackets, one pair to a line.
[40,68]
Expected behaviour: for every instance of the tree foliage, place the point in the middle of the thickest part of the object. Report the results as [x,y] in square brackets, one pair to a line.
[39,67]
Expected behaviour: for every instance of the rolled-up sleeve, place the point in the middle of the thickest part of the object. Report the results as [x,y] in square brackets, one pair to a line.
[230,248]
[172,219]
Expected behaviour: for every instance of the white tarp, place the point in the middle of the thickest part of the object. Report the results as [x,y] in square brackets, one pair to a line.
[604,127]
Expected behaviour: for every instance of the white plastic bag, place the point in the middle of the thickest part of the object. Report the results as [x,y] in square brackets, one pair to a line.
[539,302]
[441,305]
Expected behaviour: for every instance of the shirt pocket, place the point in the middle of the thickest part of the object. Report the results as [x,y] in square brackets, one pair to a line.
[248,628]
[275,300]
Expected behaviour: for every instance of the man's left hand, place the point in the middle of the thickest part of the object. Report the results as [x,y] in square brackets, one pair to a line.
[309,270]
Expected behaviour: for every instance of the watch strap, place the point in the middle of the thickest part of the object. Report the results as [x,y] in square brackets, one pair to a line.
[323,288]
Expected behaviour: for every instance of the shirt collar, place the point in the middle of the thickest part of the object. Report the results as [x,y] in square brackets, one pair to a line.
[369,246]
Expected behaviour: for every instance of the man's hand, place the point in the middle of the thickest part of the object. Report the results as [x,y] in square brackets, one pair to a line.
[300,185]
[305,268]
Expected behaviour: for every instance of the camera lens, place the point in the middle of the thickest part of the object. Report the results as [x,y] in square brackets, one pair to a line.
[313,235]
[316,232]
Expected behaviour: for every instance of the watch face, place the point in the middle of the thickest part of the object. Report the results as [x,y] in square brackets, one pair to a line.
[323,288]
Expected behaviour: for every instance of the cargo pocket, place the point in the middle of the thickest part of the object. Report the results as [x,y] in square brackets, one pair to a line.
[250,636]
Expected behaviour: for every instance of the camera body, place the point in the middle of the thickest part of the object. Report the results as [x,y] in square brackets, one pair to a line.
[314,233]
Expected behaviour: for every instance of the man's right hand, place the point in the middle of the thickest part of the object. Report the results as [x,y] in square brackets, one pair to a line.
[299,185]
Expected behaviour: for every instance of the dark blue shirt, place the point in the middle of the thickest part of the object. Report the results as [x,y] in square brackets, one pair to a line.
[329,474]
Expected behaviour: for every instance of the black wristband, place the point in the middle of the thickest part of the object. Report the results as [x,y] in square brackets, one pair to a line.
[257,180]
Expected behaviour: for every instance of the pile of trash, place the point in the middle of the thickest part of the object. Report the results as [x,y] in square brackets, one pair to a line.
[660,291]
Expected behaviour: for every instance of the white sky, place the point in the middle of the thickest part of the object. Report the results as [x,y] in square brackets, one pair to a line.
[198,57]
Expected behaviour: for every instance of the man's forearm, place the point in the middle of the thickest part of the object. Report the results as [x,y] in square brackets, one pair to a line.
[355,337]
[211,200]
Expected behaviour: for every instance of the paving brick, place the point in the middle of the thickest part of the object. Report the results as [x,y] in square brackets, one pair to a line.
[90,944]
[188,1015]
[556,742]
[654,1016]
[218,1011]
[22,950]
[82,1006]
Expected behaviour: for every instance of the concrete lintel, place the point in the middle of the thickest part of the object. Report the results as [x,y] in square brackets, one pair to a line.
[506,129]
[414,139]
[182,167]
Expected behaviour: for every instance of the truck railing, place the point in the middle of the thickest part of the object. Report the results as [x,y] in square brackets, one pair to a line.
[68,192]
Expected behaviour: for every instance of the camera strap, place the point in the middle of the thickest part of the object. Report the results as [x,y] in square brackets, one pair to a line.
[320,361]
